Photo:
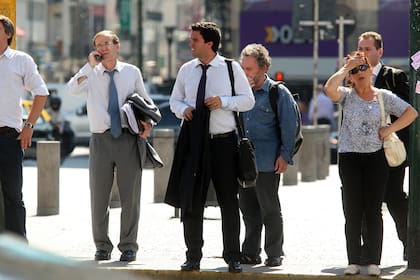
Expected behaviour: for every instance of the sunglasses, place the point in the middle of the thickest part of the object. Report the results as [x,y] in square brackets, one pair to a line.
[361,68]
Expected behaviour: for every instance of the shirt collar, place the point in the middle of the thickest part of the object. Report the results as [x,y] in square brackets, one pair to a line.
[266,85]
[215,62]
[7,53]
[377,68]
[118,67]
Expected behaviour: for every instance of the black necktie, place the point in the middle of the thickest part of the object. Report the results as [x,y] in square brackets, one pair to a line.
[199,105]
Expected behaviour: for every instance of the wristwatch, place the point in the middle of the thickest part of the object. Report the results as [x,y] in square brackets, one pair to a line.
[28,125]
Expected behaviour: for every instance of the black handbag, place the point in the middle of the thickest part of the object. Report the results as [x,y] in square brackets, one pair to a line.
[246,166]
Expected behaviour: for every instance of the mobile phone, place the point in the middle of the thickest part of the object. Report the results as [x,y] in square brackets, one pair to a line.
[98,57]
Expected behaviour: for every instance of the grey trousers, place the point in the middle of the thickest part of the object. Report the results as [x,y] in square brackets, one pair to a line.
[106,153]
[260,206]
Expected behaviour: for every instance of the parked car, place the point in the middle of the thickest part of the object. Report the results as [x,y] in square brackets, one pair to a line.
[44,131]
[42,128]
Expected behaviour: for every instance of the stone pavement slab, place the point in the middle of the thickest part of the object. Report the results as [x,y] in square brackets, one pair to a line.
[313,224]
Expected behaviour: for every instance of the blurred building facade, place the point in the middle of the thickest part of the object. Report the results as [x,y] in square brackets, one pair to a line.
[58,32]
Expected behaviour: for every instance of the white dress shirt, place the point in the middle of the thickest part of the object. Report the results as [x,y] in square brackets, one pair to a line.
[128,80]
[18,74]
[185,89]
[375,72]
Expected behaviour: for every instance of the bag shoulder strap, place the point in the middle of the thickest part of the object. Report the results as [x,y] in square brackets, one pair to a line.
[381,104]
[237,115]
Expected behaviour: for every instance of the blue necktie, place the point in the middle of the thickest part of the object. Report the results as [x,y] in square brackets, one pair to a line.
[199,103]
[114,107]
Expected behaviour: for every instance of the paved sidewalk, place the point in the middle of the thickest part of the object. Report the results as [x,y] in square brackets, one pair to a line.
[313,224]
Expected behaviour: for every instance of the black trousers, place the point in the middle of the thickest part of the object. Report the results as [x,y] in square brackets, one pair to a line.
[397,203]
[223,175]
[11,157]
[260,206]
[363,176]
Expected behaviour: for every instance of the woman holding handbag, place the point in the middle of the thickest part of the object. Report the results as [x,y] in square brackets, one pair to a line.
[362,165]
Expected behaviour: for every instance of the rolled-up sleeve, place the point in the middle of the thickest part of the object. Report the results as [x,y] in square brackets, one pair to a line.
[73,85]
[244,99]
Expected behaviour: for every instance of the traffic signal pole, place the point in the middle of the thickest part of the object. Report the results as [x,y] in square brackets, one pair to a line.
[413,246]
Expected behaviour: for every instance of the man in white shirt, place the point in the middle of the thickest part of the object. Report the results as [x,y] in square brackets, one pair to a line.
[104,80]
[207,143]
[18,72]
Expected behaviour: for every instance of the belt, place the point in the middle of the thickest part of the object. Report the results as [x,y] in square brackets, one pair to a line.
[222,135]
[6,129]
[123,130]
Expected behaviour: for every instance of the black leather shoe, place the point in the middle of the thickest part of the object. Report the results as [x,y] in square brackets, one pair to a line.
[128,256]
[190,266]
[247,259]
[273,261]
[102,255]
[235,266]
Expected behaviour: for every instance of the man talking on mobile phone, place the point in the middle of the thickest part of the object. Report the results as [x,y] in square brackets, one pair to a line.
[107,83]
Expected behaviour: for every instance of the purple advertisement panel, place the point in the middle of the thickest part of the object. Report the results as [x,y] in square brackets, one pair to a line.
[273,29]
[393,25]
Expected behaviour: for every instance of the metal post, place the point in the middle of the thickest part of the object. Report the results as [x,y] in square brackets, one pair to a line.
[315,53]
[413,246]
[140,34]
[169,38]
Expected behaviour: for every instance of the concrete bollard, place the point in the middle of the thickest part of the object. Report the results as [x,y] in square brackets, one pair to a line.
[308,160]
[290,177]
[164,144]
[48,163]
[323,153]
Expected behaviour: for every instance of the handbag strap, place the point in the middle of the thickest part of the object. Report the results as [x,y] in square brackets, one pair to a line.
[238,116]
[381,105]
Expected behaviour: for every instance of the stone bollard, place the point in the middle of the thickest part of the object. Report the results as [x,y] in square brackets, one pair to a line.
[290,177]
[308,161]
[48,163]
[164,144]
[323,153]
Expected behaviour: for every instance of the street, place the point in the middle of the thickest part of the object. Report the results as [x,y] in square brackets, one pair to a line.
[313,225]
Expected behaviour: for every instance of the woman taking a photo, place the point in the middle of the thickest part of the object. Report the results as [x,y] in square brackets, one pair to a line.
[363,168]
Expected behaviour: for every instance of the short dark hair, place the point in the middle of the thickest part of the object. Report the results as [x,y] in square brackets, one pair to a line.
[9,28]
[210,32]
[377,38]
